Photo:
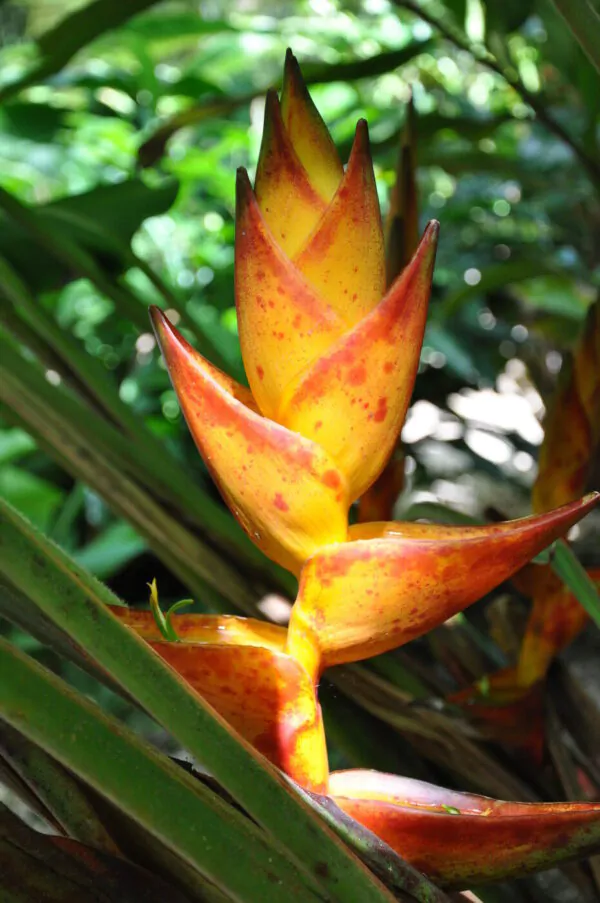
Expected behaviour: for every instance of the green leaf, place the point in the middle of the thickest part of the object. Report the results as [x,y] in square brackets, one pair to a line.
[570,570]
[38,568]
[494,277]
[508,16]
[31,121]
[190,819]
[18,609]
[37,867]
[38,498]
[116,210]
[56,789]
[14,444]
[584,21]
[111,550]
[58,45]
[164,24]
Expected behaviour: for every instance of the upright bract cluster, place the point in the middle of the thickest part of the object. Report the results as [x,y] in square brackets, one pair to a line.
[331,357]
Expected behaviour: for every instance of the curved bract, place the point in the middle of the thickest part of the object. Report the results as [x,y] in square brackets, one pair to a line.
[238,665]
[370,595]
[331,358]
[460,839]
[286,491]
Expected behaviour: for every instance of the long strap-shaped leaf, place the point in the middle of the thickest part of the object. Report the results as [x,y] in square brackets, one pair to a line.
[37,867]
[186,816]
[37,568]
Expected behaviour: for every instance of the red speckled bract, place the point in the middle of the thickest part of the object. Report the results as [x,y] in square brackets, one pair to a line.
[460,839]
[370,595]
[276,482]
[238,666]
[331,358]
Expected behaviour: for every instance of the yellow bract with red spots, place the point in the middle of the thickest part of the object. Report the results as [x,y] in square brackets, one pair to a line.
[331,356]
[367,596]
[240,667]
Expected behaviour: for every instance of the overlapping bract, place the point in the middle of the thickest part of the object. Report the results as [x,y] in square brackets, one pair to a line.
[401,231]
[331,358]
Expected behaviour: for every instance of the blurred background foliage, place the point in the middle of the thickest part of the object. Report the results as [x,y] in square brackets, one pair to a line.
[121,127]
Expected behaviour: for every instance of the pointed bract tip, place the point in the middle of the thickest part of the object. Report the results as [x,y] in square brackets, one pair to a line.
[292,74]
[361,144]
[243,189]
[167,335]
[427,246]
[271,103]
[273,122]
[432,230]
[157,318]
[164,330]
[580,507]
[293,80]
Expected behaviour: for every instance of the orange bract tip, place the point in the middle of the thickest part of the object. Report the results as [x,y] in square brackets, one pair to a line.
[367,596]
[344,256]
[289,202]
[308,133]
[353,399]
[168,336]
[285,491]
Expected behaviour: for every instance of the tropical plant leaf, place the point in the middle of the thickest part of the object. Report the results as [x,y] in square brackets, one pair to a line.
[38,867]
[122,767]
[58,45]
[99,223]
[584,21]
[35,566]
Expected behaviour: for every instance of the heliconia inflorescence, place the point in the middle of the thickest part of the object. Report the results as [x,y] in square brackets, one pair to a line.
[331,356]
